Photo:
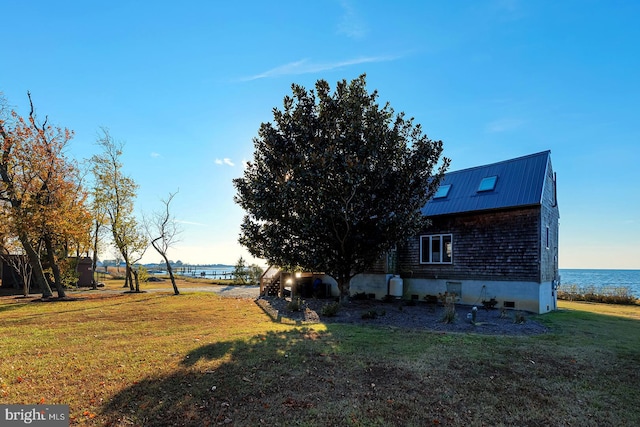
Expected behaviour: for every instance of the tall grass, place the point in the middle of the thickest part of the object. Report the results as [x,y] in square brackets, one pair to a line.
[599,294]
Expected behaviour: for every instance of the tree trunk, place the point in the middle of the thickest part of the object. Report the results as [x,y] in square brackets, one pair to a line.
[343,286]
[128,276]
[128,280]
[173,279]
[26,281]
[36,265]
[135,275]
[94,260]
[57,279]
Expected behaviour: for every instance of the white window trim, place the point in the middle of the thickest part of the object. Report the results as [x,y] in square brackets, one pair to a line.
[430,237]
[547,238]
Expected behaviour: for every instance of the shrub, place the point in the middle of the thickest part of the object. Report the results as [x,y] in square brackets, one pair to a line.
[254,273]
[295,304]
[519,318]
[371,314]
[330,310]
[449,315]
[240,272]
[604,294]
[449,300]
[68,272]
[143,273]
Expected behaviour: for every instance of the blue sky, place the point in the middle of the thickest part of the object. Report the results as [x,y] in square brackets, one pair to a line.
[185,85]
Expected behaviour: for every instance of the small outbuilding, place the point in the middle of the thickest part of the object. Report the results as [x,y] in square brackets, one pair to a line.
[11,278]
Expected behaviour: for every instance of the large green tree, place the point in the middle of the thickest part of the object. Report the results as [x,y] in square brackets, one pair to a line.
[336,180]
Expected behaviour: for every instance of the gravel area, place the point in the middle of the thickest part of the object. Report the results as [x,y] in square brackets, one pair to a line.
[402,314]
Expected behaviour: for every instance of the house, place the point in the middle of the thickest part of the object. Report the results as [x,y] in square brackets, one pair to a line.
[493,234]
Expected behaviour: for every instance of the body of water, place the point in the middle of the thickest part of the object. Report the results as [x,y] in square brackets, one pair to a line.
[225,272]
[600,278]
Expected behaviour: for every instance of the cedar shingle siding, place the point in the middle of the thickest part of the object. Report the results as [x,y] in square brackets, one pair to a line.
[497,235]
[501,245]
[504,239]
[550,218]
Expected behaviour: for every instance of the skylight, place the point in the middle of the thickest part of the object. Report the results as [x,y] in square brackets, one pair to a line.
[488,183]
[442,192]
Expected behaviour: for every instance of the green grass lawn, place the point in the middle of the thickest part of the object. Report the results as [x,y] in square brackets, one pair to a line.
[198,359]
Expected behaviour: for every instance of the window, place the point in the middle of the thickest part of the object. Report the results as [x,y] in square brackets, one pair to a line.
[547,238]
[488,183]
[436,249]
[443,191]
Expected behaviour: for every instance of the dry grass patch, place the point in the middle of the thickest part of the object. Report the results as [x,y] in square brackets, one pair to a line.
[83,352]
[631,311]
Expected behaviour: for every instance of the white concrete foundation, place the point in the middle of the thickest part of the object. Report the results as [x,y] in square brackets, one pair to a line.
[518,295]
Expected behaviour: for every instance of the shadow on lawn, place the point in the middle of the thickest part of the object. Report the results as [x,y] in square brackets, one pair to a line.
[308,377]
[240,382]
[277,378]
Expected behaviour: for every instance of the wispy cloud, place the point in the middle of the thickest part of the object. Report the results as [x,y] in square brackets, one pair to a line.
[351,23]
[226,161]
[154,154]
[305,66]
[190,222]
[504,125]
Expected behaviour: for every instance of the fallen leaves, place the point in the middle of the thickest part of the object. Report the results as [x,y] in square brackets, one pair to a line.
[296,404]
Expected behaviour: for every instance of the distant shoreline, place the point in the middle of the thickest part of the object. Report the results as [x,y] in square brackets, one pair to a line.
[601,278]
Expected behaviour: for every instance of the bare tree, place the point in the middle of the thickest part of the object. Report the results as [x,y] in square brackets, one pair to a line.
[118,192]
[99,228]
[135,258]
[163,232]
[16,258]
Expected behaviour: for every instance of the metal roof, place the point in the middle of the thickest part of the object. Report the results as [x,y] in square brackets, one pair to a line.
[520,183]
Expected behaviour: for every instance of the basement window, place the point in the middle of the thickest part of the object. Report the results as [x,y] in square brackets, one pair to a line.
[442,192]
[488,183]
